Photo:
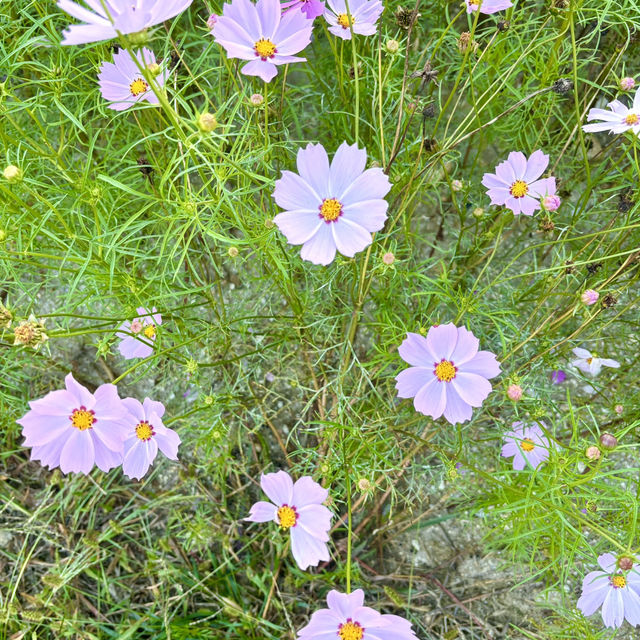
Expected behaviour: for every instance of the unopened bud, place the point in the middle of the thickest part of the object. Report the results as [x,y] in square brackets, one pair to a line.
[514,392]
[207,122]
[592,452]
[211,22]
[256,99]
[392,46]
[388,258]
[589,297]
[625,563]
[618,409]
[456,185]
[608,441]
[478,212]
[364,484]
[12,173]
[626,84]
[233,252]
[551,203]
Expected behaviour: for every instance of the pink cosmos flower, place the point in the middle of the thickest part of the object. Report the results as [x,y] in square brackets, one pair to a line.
[487,6]
[448,375]
[618,119]
[140,344]
[260,33]
[347,619]
[527,444]
[516,183]
[331,208]
[121,82]
[588,362]
[362,16]
[589,297]
[311,8]
[74,429]
[615,590]
[145,435]
[125,16]
[297,507]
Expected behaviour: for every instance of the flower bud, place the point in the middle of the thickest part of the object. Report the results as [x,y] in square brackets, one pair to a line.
[478,212]
[256,99]
[551,203]
[388,258]
[456,185]
[627,84]
[233,252]
[608,441]
[364,484]
[625,563]
[211,22]
[514,392]
[30,333]
[589,297]
[5,317]
[392,46]
[618,409]
[207,122]
[12,173]
[153,68]
[592,452]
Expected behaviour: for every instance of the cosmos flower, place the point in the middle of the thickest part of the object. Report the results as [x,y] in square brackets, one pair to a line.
[74,429]
[297,507]
[331,208]
[448,375]
[125,16]
[526,443]
[613,589]
[589,362]
[617,119]
[311,8]
[516,183]
[487,6]
[362,16]
[347,619]
[145,435]
[141,343]
[262,34]
[121,82]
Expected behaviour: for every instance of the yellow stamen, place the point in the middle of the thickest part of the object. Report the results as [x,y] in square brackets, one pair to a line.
[264,48]
[632,118]
[82,419]
[350,631]
[287,516]
[445,371]
[331,209]
[618,581]
[138,86]
[527,445]
[344,20]
[144,431]
[519,189]
[150,332]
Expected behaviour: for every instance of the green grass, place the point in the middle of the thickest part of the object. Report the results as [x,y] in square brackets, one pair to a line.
[87,237]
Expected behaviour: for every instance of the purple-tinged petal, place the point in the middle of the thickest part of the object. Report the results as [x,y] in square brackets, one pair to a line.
[307,491]
[484,363]
[262,512]
[471,387]
[415,350]
[432,399]
[456,409]
[307,550]
[321,247]
[536,165]
[466,347]
[410,381]
[442,340]
[78,453]
[278,487]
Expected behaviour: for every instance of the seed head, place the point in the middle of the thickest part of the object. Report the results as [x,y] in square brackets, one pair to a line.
[5,317]
[562,85]
[30,333]
[233,252]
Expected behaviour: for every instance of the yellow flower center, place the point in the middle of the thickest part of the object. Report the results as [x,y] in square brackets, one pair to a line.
[527,445]
[344,20]
[350,631]
[331,209]
[150,332]
[632,118]
[264,48]
[445,371]
[287,516]
[589,360]
[144,431]
[519,189]
[138,86]
[82,419]
[618,581]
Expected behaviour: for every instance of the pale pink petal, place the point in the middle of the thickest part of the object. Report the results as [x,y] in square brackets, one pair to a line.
[415,350]
[278,487]
[262,512]
[442,340]
[307,491]
[321,247]
[78,453]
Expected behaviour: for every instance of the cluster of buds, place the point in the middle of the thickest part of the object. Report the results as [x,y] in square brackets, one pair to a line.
[5,317]
[30,333]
